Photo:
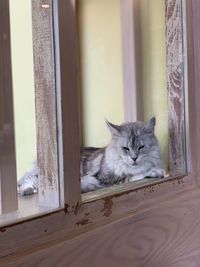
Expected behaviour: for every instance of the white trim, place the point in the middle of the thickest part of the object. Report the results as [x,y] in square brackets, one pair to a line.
[130,73]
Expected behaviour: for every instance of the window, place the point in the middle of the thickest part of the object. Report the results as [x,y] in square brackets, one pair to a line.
[29,47]
[133,65]
[133,25]
[115,203]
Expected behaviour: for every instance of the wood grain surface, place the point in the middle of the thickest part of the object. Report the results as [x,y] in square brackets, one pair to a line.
[154,226]
[8,176]
[167,236]
[45,100]
[69,87]
[193,7]
[175,86]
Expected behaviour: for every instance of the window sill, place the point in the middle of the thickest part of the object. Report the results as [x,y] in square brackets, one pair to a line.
[28,208]
[124,188]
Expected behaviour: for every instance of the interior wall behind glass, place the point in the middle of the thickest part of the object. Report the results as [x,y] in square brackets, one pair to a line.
[153,67]
[23,84]
[99,32]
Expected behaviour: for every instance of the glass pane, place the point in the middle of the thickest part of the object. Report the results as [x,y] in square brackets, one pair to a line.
[23,85]
[155,59]
[153,68]
[32,57]
[101,69]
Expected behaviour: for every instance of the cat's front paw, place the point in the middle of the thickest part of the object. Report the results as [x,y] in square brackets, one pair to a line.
[26,191]
[89,183]
[155,173]
[136,177]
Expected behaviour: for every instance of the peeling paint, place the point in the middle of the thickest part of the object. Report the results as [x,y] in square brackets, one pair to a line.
[66,208]
[83,222]
[76,208]
[73,208]
[107,209]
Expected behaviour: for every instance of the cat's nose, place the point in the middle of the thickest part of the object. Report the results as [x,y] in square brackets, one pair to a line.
[134,158]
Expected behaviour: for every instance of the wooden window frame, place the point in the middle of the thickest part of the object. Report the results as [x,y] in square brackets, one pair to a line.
[8,186]
[45,103]
[176,60]
[74,219]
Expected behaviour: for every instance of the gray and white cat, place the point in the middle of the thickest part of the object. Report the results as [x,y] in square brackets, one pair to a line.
[132,154]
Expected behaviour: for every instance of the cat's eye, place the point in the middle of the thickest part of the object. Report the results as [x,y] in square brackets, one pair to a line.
[126,148]
[140,147]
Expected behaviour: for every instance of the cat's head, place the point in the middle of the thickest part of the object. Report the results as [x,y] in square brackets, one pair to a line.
[133,140]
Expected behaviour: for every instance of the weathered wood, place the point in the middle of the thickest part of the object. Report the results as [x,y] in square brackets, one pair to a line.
[159,224]
[8,176]
[175,86]
[45,99]
[168,236]
[193,7]
[66,225]
[69,93]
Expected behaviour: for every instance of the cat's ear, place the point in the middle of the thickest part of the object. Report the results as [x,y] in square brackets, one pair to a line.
[114,129]
[149,126]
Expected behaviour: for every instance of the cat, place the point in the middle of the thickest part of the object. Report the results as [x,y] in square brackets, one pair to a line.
[132,154]
[28,184]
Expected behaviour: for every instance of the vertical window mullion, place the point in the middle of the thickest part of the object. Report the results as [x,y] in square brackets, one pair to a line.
[45,94]
[68,77]
[8,178]
[175,86]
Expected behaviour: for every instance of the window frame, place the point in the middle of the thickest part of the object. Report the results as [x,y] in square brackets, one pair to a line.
[45,103]
[176,76]
[8,186]
[75,218]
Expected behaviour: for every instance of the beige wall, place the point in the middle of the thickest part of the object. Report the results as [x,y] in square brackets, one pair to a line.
[153,59]
[101,68]
[23,84]
[101,72]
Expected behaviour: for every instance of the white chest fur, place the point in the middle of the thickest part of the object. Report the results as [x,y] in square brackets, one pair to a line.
[115,163]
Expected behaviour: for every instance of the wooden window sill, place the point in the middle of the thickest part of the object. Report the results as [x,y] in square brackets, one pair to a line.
[28,208]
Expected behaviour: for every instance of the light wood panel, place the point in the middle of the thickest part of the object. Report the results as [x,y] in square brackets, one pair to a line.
[45,99]
[175,86]
[91,215]
[168,236]
[193,7]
